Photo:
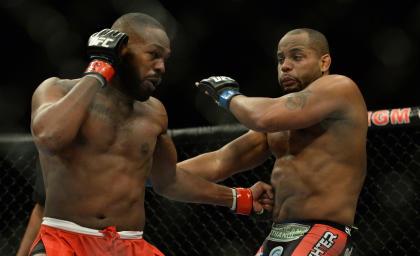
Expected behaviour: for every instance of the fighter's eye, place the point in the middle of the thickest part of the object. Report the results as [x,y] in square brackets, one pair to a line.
[297,57]
[280,60]
[154,54]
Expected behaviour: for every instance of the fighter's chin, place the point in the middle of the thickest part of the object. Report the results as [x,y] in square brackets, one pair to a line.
[292,88]
[142,97]
[139,95]
[144,91]
[149,86]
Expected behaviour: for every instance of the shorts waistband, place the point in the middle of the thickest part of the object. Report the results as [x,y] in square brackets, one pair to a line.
[344,228]
[73,227]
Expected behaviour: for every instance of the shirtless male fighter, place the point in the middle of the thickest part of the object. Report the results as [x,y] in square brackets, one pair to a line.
[102,136]
[317,133]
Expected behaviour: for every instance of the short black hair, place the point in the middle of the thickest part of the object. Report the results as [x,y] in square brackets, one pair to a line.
[135,22]
[317,39]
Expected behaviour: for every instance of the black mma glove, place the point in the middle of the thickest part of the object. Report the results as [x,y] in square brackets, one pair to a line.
[104,50]
[220,88]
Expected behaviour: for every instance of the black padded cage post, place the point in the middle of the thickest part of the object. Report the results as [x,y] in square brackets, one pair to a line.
[387,214]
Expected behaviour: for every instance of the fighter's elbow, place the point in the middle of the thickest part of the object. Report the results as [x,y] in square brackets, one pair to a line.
[160,185]
[270,122]
[254,121]
[163,190]
[266,124]
[48,140]
[158,190]
[47,143]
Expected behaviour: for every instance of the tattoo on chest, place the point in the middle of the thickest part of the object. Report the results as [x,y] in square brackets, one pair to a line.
[101,112]
[298,100]
[144,149]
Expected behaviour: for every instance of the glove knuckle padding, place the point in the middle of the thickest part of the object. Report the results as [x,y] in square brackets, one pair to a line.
[219,82]
[215,86]
[106,45]
[103,32]
[207,87]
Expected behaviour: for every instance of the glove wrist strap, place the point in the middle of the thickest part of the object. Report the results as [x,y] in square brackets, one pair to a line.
[226,97]
[233,208]
[243,201]
[101,70]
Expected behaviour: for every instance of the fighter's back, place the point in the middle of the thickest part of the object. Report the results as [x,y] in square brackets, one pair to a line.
[319,170]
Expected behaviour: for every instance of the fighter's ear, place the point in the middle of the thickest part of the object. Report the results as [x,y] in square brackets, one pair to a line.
[124,50]
[325,62]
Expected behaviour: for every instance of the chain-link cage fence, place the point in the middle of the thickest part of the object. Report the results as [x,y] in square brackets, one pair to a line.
[387,214]
[18,158]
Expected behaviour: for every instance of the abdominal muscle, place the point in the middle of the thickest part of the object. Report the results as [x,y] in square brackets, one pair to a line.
[97,197]
[311,191]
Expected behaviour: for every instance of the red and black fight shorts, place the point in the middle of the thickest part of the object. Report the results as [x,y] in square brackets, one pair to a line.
[307,238]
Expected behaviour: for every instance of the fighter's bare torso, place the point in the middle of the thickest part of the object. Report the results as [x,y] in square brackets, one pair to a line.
[99,179]
[319,171]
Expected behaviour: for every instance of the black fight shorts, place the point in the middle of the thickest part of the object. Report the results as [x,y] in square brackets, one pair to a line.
[307,238]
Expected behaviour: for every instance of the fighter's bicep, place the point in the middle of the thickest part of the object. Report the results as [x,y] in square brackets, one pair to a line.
[164,161]
[307,107]
[331,97]
[248,150]
[45,95]
[311,106]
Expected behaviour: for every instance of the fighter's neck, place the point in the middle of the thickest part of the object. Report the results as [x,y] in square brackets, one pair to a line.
[113,91]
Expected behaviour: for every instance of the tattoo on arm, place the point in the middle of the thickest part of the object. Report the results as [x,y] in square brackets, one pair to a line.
[298,100]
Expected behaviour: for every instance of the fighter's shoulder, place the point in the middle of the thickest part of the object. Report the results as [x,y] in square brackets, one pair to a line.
[156,104]
[152,106]
[156,112]
[346,96]
[57,84]
[338,83]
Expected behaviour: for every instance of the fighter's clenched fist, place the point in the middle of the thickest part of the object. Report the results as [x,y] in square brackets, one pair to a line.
[220,88]
[104,50]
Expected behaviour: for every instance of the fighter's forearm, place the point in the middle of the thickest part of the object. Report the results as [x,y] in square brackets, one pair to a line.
[187,187]
[57,124]
[219,165]
[241,154]
[204,165]
[264,114]
[270,115]
[253,112]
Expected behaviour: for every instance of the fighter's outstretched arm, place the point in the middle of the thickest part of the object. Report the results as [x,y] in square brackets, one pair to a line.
[177,184]
[241,154]
[327,97]
[324,98]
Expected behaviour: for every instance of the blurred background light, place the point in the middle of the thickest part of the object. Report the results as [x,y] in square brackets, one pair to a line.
[374,44]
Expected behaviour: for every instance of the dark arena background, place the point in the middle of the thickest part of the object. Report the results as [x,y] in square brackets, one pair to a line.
[373,42]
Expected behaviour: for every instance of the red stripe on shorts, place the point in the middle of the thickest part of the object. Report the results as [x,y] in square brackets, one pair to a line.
[321,240]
